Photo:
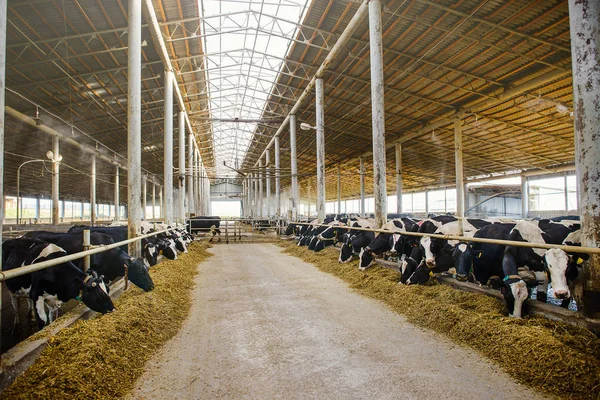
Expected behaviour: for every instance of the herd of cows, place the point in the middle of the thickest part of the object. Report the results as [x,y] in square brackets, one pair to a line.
[511,269]
[46,289]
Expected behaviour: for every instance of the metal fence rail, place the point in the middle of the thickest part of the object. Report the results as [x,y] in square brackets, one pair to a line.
[4,275]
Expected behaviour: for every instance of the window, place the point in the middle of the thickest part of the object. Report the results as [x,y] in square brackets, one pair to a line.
[547,194]
[572,192]
[407,203]
[392,202]
[419,202]
[437,201]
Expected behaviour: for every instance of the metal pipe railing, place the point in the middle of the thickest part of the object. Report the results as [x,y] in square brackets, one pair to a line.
[4,275]
[573,249]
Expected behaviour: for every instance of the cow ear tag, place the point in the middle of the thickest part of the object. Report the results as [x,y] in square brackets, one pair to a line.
[579,261]
[479,255]
[431,274]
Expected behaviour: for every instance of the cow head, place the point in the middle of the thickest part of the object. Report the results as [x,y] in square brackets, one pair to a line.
[319,245]
[365,258]
[515,293]
[463,255]
[166,247]
[421,275]
[409,265]
[138,274]
[94,293]
[312,243]
[289,229]
[557,263]
[346,252]
[381,243]
[150,253]
[180,245]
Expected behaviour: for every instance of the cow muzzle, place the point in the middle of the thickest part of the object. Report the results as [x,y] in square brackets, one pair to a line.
[430,263]
[461,277]
[562,294]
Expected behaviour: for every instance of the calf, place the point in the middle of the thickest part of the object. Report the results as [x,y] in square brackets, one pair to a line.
[50,287]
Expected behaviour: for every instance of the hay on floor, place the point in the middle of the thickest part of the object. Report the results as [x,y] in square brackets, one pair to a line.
[551,356]
[102,358]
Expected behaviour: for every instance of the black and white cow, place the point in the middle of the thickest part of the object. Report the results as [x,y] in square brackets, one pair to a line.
[331,234]
[111,264]
[50,287]
[314,229]
[394,241]
[354,240]
[482,261]
[546,264]
[437,252]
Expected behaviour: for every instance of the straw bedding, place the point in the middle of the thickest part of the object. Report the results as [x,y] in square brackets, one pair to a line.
[101,358]
[550,356]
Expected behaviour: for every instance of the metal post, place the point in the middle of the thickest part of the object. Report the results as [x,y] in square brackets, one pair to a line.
[362,187]
[93,215]
[320,102]
[277,180]
[268,183]
[398,177]
[145,198]
[458,163]
[195,185]
[181,167]
[339,190]
[134,122]
[524,197]
[584,16]
[189,174]
[153,200]
[260,188]
[86,246]
[168,154]
[116,195]
[294,166]
[55,181]
[377,113]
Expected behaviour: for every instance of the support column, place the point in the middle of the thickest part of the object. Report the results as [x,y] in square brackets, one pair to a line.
[458,163]
[398,177]
[277,179]
[37,208]
[181,166]
[93,215]
[362,187]
[308,188]
[168,153]
[55,181]
[268,183]
[378,113]
[145,198]
[320,149]
[294,167]
[161,207]
[524,197]
[134,122]
[2,102]
[584,16]
[116,194]
[339,190]
[153,200]
[190,175]
[255,195]
[260,188]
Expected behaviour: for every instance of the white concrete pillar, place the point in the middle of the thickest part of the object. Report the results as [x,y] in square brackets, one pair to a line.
[398,177]
[190,174]
[168,150]
[268,183]
[584,16]
[92,191]
[378,113]
[277,179]
[362,187]
[134,122]
[260,188]
[55,181]
[458,162]
[294,167]
[320,111]
[145,198]
[116,194]
[181,165]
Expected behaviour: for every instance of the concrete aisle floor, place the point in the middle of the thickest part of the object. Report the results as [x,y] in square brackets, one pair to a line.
[266,325]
